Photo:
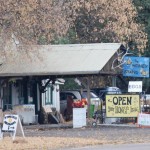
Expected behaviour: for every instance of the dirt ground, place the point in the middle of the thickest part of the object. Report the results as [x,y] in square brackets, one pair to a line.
[58,138]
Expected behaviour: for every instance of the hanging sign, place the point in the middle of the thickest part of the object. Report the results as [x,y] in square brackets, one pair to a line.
[135,86]
[122,105]
[136,66]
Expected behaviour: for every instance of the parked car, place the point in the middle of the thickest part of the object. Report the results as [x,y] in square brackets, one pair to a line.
[102,92]
[145,102]
[76,95]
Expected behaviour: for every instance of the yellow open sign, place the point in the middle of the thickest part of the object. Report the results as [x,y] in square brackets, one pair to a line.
[122,105]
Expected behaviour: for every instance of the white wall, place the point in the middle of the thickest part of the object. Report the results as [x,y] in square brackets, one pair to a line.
[55,96]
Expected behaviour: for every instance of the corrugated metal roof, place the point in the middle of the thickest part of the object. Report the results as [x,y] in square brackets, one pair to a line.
[56,59]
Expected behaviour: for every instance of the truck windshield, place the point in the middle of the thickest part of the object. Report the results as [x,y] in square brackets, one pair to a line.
[92,95]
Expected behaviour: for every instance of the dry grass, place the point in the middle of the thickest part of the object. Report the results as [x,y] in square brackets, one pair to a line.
[44,143]
[52,143]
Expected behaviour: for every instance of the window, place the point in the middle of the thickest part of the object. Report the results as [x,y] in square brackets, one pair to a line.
[62,96]
[48,96]
[92,95]
[72,95]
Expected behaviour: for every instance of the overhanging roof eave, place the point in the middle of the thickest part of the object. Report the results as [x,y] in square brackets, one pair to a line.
[79,59]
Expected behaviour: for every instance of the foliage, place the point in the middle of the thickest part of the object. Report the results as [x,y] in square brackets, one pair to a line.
[143,8]
[143,17]
[35,21]
[70,38]
[106,21]
[78,21]
[70,84]
[86,21]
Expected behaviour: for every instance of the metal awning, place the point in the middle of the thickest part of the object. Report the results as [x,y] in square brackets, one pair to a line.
[41,60]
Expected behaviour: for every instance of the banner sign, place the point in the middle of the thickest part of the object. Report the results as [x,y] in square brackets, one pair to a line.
[144,119]
[136,66]
[122,105]
[135,86]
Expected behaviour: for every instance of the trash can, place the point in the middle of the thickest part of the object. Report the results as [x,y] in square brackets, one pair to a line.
[91,110]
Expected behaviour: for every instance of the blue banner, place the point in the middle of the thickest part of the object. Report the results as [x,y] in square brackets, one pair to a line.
[136,66]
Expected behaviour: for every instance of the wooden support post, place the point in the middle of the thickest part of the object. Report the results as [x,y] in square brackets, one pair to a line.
[114,81]
[88,96]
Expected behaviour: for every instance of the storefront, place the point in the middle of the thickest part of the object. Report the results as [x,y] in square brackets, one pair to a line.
[22,74]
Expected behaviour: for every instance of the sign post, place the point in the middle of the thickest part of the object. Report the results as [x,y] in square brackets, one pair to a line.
[10,124]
